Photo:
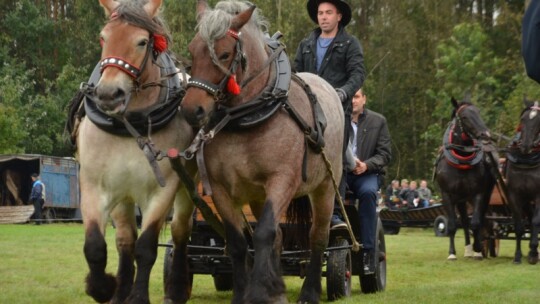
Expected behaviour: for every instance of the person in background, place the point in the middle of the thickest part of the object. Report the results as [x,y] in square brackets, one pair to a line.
[392,195]
[424,194]
[371,145]
[37,197]
[403,192]
[337,57]
[412,197]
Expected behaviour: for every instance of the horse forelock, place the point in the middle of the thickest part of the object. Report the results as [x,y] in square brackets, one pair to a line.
[215,23]
[133,13]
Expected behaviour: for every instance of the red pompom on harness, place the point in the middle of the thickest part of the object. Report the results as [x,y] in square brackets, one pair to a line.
[232,85]
[160,43]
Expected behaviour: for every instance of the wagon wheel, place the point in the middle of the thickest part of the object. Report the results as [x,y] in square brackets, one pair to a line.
[338,271]
[440,226]
[493,247]
[167,264]
[377,281]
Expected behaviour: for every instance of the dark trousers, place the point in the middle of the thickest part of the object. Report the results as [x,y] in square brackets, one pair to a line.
[38,204]
[364,188]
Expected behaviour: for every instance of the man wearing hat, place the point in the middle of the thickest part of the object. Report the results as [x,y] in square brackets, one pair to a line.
[336,56]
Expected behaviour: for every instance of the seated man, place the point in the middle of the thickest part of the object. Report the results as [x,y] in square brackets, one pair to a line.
[371,148]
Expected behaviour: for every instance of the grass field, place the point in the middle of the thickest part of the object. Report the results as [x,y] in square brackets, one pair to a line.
[45,264]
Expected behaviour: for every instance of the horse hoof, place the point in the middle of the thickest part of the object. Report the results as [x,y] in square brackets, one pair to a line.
[452,257]
[468,251]
[478,256]
[533,259]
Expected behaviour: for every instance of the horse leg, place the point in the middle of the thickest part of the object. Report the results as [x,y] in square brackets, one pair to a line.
[266,284]
[481,202]
[464,217]
[145,257]
[517,214]
[322,205]
[126,233]
[178,285]
[99,285]
[452,227]
[237,248]
[533,244]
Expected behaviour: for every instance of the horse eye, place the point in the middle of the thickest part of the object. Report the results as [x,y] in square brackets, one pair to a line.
[143,42]
[225,56]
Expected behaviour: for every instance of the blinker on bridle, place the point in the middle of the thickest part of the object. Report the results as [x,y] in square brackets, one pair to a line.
[228,84]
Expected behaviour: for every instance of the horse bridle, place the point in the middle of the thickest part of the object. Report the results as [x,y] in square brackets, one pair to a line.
[220,91]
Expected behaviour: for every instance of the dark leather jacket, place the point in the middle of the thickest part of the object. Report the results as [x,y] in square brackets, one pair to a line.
[373,143]
[343,63]
[530,42]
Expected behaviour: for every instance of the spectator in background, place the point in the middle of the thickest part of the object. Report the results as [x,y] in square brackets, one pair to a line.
[392,195]
[424,193]
[412,197]
[403,192]
[37,197]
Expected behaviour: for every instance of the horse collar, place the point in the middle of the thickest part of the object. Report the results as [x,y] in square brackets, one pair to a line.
[463,157]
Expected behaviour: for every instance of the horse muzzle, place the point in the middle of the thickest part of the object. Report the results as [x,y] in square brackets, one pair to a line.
[111,99]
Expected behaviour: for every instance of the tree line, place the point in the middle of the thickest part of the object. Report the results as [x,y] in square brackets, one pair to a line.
[418,54]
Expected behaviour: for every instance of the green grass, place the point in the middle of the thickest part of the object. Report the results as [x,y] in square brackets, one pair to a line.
[45,264]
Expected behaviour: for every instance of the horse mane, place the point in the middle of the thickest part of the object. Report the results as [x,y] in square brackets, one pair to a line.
[133,13]
[460,104]
[215,23]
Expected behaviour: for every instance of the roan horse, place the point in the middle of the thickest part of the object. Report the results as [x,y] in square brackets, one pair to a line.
[257,149]
[464,175]
[523,179]
[136,90]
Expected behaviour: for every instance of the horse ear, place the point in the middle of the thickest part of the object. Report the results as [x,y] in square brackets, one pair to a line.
[202,6]
[152,7]
[109,6]
[454,102]
[242,18]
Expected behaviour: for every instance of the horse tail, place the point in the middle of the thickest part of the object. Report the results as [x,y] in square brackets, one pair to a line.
[298,223]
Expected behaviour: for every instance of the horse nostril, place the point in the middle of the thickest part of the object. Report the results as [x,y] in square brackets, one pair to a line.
[200,113]
[119,94]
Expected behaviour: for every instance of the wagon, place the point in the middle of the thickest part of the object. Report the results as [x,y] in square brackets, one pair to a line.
[59,174]
[207,256]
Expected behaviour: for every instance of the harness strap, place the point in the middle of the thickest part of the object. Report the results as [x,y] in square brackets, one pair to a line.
[207,213]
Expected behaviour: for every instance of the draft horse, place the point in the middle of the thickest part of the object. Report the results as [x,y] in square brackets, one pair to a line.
[134,92]
[256,141]
[523,179]
[463,173]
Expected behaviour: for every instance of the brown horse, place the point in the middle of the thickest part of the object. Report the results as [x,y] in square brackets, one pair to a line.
[464,175]
[523,179]
[255,145]
[135,91]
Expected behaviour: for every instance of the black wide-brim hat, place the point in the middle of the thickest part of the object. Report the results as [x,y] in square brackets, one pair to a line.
[342,6]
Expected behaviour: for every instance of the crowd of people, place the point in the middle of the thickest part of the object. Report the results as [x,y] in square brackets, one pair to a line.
[408,195]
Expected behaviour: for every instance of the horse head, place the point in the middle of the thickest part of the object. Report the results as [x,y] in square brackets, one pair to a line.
[219,51]
[529,126]
[469,120]
[131,40]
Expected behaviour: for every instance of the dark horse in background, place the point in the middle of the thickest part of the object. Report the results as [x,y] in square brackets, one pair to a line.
[134,90]
[257,137]
[523,179]
[464,175]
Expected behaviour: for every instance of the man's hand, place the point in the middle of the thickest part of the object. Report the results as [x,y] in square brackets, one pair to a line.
[342,95]
[360,168]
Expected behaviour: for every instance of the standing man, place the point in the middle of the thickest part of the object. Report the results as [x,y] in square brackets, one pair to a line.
[371,146]
[37,197]
[330,52]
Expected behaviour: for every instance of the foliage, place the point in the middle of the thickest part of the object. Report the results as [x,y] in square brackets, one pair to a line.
[418,53]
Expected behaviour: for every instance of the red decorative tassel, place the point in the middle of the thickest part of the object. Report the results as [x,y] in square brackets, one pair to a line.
[160,43]
[232,85]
